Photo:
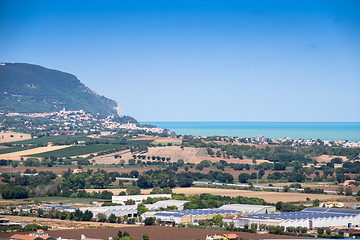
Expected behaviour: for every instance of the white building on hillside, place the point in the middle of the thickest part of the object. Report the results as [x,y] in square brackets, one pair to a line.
[309,217]
[194,215]
[131,210]
[137,198]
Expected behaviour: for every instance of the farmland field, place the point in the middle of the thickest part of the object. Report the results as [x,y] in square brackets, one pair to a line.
[78,150]
[17,155]
[271,197]
[58,224]
[157,232]
[13,136]
[154,232]
[65,200]
[59,138]
[188,154]
[14,149]
[173,152]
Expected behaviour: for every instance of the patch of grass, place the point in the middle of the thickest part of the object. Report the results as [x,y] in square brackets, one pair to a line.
[202,152]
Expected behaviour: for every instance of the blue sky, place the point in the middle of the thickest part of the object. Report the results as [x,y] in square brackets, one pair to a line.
[199,60]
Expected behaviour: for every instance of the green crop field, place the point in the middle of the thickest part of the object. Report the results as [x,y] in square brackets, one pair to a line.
[78,150]
[140,142]
[65,200]
[14,149]
[57,139]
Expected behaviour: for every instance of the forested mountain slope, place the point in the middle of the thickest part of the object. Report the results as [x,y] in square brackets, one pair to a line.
[27,88]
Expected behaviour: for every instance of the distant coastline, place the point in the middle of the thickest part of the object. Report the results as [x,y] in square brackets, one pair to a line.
[334,131]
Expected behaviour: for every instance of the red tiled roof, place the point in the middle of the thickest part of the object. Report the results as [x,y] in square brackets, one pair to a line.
[231,236]
[23,237]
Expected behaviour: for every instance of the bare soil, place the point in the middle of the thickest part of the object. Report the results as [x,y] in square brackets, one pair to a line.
[16,156]
[60,224]
[188,154]
[173,152]
[6,137]
[271,197]
[327,158]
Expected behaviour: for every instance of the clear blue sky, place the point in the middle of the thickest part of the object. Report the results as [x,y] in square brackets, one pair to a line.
[199,60]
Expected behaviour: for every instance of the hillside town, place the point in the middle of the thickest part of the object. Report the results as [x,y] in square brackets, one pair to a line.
[74,122]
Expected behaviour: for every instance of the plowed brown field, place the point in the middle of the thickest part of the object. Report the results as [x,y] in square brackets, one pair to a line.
[154,232]
[13,137]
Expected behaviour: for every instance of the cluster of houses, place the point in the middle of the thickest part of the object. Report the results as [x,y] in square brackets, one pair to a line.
[226,236]
[38,235]
[311,142]
[71,122]
[28,208]
[294,142]
[132,126]
[351,144]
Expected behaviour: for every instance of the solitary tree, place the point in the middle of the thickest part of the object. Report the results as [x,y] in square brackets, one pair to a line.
[141,208]
[348,191]
[112,218]
[133,190]
[101,217]
[316,202]
[320,231]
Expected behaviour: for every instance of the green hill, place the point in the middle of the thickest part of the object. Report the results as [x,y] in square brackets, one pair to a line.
[27,88]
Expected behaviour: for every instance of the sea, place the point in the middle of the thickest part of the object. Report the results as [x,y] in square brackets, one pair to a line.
[334,131]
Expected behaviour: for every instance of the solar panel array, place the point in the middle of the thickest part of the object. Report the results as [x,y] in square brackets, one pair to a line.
[333,210]
[247,208]
[182,213]
[306,213]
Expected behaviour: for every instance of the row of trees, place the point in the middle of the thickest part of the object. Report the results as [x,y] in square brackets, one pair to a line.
[169,178]
[150,157]
[18,228]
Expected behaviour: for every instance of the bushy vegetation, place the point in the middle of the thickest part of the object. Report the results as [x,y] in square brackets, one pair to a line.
[27,228]
[206,200]
[49,184]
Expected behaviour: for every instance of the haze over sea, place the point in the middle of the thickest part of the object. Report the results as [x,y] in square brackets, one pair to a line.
[339,131]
